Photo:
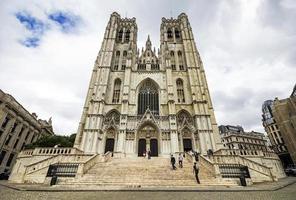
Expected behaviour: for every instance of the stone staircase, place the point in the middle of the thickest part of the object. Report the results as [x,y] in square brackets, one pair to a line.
[139,172]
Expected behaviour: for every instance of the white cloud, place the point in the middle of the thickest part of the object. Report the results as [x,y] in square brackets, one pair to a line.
[248,54]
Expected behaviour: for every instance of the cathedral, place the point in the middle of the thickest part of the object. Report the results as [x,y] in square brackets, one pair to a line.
[155,101]
[148,100]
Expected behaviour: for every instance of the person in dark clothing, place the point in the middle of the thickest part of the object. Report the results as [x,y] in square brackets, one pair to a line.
[149,154]
[195,172]
[173,162]
[196,156]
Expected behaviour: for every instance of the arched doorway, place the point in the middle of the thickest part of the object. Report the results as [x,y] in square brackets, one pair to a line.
[148,140]
[110,140]
[142,147]
[148,98]
[109,145]
[154,147]
[187,144]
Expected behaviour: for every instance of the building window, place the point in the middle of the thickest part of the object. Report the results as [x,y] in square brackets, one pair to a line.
[180,59]
[170,33]
[119,36]
[5,122]
[8,140]
[116,91]
[148,98]
[123,65]
[14,127]
[2,155]
[15,144]
[172,54]
[117,56]
[9,160]
[177,34]
[180,91]
[127,36]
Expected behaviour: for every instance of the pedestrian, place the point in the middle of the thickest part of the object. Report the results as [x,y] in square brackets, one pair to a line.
[144,154]
[196,156]
[180,160]
[195,172]
[173,162]
[149,154]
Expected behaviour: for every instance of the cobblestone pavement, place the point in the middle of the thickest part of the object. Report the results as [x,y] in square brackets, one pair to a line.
[287,193]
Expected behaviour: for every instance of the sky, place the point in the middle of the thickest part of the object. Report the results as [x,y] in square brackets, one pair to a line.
[48,50]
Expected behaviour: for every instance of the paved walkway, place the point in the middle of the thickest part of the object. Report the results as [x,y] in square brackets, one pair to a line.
[286,193]
[269,186]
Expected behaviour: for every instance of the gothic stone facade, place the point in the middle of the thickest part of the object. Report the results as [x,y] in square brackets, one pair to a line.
[148,100]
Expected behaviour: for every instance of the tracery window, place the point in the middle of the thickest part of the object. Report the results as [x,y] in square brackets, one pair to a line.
[119,36]
[182,116]
[148,98]
[127,36]
[116,91]
[180,91]
[112,115]
[116,62]
[180,59]
[177,34]
[173,64]
[170,33]
[123,65]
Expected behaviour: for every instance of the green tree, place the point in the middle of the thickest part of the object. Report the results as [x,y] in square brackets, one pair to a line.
[51,141]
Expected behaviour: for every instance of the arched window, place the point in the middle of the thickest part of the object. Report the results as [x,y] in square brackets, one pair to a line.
[116,91]
[112,115]
[182,116]
[116,62]
[173,64]
[170,33]
[180,59]
[148,98]
[127,36]
[180,91]
[123,65]
[177,33]
[119,36]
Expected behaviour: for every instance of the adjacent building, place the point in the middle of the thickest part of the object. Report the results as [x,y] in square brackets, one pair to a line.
[271,127]
[18,127]
[234,137]
[284,111]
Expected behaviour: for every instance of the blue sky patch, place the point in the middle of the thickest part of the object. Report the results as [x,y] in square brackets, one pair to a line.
[31,42]
[68,22]
[32,24]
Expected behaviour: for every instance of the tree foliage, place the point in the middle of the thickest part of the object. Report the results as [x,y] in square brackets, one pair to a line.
[51,141]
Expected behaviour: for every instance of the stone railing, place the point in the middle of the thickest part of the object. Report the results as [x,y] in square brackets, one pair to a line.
[77,158]
[210,166]
[45,151]
[247,152]
[237,159]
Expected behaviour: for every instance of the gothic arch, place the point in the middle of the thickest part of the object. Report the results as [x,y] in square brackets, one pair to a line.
[148,97]
[112,118]
[184,116]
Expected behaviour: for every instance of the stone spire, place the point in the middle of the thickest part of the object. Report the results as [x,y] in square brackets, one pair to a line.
[148,43]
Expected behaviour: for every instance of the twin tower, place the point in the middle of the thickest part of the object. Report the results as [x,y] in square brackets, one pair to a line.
[148,100]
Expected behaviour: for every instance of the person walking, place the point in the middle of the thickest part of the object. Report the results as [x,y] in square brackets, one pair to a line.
[195,172]
[149,154]
[180,160]
[173,162]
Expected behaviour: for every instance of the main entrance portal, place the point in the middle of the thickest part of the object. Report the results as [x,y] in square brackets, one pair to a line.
[187,144]
[141,147]
[148,140]
[109,145]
